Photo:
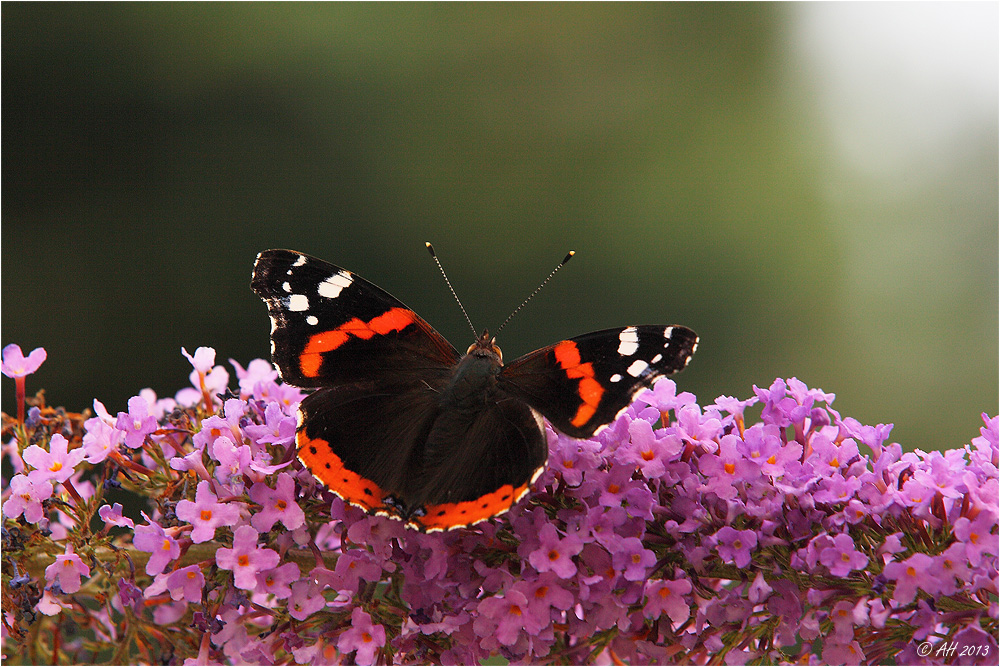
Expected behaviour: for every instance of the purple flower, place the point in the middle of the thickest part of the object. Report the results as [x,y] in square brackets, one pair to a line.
[278,428]
[305,600]
[910,575]
[186,583]
[842,558]
[26,498]
[16,365]
[363,636]
[207,377]
[258,372]
[233,461]
[112,516]
[646,451]
[698,428]
[734,546]
[633,559]
[246,559]
[779,408]
[727,468]
[192,461]
[829,457]
[546,593]
[555,554]
[137,423]
[506,616]
[153,539]
[206,513]
[355,565]
[56,464]
[664,596]
[277,581]
[277,504]
[978,535]
[100,440]
[573,458]
[67,570]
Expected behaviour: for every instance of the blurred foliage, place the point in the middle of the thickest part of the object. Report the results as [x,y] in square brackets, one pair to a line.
[151,150]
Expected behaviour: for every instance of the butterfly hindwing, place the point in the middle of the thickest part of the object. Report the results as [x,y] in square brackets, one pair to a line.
[582,383]
[478,464]
[331,326]
[362,442]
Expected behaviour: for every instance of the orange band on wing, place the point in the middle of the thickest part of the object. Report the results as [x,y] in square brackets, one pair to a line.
[453,515]
[328,468]
[589,389]
[394,319]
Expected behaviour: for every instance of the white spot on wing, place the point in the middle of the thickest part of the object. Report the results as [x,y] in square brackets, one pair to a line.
[297,302]
[300,261]
[629,338]
[615,378]
[332,286]
[668,333]
[656,359]
[287,286]
[637,368]
[312,319]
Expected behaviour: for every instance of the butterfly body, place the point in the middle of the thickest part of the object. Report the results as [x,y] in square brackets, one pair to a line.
[401,424]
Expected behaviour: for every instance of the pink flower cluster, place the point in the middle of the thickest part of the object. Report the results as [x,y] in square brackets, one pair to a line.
[680,533]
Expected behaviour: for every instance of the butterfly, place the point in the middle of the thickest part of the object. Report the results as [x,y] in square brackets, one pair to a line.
[401,424]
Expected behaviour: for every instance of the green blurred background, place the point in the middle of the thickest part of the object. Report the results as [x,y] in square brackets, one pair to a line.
[811,187]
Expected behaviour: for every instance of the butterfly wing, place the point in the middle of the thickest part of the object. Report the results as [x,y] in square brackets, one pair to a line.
[583,383]
[330,326]
[377,366]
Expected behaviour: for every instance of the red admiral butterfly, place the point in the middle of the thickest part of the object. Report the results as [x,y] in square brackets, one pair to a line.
[403,425]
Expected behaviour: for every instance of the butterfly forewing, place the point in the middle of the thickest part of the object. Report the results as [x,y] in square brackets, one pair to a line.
[331,326]
[582,383]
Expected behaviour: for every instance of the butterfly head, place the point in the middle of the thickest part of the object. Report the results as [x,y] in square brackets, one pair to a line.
[485,346]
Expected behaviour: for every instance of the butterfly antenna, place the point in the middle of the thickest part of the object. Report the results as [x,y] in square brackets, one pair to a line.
[430,249]
[568,257]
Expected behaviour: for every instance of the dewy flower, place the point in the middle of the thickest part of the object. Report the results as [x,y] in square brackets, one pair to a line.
[26,498]
[206,513]
[56,464]
[246,558]
[67,571]
[16,365]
